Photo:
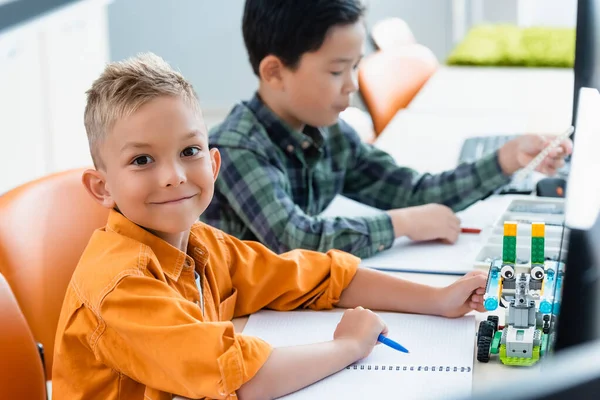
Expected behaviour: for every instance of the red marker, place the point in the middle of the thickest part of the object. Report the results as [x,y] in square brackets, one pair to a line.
[470,230]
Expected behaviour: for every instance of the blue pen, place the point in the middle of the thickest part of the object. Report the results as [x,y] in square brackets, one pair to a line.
[391,343]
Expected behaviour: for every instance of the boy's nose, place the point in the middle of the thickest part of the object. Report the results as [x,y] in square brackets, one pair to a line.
[173,175]
[352,83]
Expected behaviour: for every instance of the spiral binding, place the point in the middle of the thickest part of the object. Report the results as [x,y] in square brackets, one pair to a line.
[417,368]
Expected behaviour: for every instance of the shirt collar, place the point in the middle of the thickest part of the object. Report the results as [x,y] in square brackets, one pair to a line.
[281,133]
[172,260]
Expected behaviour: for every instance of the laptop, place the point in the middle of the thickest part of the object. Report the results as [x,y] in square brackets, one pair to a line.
[476,147]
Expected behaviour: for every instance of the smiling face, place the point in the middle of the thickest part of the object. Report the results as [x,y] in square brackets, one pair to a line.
[158,170]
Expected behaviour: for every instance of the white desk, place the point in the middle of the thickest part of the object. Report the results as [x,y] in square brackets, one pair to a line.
[432,142]
[502,90]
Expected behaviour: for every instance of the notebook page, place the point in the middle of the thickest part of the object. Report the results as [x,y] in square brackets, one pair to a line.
[431,341]
[439,363]
[428,257]
[361,385]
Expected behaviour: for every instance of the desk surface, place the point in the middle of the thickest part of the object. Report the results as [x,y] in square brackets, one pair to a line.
[504,89]
[431,142]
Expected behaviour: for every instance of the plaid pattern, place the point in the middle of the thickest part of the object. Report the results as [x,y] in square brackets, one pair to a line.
[274,183]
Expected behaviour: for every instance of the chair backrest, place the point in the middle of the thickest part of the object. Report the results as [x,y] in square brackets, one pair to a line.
[392,33]
[44,228]
[21,372]
[361,122]
[389,80]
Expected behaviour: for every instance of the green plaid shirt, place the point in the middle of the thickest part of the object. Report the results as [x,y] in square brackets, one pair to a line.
[275,182]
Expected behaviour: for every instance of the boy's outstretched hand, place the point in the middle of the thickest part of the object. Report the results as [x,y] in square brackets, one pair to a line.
[517,153]
[464,295]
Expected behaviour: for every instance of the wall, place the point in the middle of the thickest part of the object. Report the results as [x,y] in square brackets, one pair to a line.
[203,39]
[46,65]
[548,12]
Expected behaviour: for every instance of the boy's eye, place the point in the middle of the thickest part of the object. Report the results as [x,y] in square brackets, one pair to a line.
[190,151]
[336,73]
[142,160]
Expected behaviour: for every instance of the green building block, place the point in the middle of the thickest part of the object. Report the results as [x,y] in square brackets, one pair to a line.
[509,249]
[537,250]
[519,361]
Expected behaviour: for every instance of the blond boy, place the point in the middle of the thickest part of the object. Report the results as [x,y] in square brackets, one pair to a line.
[147,314]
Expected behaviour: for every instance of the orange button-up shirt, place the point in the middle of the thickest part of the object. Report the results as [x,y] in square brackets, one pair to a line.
[132,325]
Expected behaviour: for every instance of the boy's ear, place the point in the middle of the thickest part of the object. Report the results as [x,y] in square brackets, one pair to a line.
[270,71]
[215,159]
[95,184]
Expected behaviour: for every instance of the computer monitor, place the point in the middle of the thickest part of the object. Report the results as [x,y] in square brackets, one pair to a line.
[571,370]
[587,49]
[579,320]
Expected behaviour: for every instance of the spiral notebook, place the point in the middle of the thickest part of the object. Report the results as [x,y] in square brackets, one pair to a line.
[439,365]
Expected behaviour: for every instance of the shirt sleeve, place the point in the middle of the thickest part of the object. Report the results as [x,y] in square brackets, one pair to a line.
[256,191]
[296,279]
[377,180]
[151,334]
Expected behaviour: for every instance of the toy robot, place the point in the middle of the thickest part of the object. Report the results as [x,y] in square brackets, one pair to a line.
[529,298]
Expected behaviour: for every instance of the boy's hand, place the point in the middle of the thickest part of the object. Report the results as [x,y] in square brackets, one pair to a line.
[427,222]
[464,295]
[517,153]
[362,327]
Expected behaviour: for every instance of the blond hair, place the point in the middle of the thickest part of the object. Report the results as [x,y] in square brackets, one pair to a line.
[125,86]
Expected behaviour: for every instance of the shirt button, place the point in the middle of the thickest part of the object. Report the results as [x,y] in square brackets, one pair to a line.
[290,148]
[381,247]
[305,145]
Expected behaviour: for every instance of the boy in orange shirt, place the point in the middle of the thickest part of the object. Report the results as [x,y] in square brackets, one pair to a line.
[148,311]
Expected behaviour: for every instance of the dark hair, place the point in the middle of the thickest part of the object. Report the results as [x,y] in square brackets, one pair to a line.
[289,28]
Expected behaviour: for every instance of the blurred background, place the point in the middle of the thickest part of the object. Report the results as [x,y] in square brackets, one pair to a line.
[51,50]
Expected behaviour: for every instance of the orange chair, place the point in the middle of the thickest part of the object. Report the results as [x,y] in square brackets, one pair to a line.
[22,375]
[389,80]
[44,228]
